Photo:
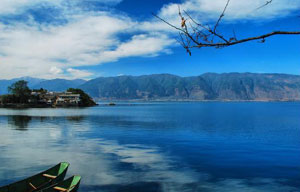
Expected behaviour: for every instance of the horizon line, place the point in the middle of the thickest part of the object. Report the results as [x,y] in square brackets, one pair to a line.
[46,79]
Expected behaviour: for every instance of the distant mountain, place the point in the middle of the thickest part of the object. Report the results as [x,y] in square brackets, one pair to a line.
[35,83]
[4,84]
[58,84]
[209,86]
[31,81]
[130,87]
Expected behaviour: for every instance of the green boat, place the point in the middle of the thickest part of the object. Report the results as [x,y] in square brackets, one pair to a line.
[69,185]
[40,181]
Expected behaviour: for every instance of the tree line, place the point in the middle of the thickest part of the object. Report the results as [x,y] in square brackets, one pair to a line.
[20,93]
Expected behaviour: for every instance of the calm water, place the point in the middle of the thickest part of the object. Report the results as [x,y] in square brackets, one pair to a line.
[163,147]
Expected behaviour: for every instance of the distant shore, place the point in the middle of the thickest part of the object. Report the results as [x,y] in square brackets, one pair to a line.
[26,106]
[115,102]
[19,105]
[191,100]
[118,102]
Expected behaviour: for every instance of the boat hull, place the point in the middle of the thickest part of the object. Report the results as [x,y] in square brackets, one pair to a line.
[69,185]
[39,181]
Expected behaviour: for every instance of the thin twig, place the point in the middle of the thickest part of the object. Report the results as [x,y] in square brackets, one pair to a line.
[234,34]
[206,28]
[168,23]
[183,31]
[221,16]
[198,35]
[268,2]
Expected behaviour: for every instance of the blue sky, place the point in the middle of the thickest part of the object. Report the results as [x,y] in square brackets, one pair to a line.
[91,38]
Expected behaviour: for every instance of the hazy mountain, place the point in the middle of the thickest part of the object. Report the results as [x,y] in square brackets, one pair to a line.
[35,83]
[130,87]
[209,86]
[58,84]
[4,84]
[250,86]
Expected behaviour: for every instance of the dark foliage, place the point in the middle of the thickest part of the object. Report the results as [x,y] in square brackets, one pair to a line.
[86,100]
[20,91]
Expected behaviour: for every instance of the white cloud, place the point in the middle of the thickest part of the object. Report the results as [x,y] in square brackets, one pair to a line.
[141,45]
[55,70]
[15,6]
[78,74]
[47,51]
[237,9]
[91,38]
[208,11]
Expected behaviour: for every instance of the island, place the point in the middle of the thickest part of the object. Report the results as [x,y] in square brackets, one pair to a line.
[21,96]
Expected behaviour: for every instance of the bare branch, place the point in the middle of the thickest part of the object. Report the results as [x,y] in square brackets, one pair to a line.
[234,34]
[168,23]
[251,39]
[182,30]
[197,35]
[206,28]
[267,3]
[221,16]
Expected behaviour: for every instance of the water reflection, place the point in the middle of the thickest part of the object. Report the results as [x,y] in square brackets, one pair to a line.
[22,122]
[139,186]
[19,122]
[108,166]
[102,163]
[76,119]
[154,153]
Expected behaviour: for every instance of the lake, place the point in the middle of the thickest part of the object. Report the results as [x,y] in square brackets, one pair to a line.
[159,147]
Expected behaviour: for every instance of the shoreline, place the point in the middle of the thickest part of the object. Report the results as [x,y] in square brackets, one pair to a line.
[115,102]
[28,106]
[173,100]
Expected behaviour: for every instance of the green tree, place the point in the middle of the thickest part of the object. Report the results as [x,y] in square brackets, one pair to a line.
[85,99]
[7,99]
[20,90]
[41,90]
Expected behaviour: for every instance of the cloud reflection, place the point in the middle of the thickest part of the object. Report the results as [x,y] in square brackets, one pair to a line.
[108,165]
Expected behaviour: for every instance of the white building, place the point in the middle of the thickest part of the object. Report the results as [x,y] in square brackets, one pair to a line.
[68,98]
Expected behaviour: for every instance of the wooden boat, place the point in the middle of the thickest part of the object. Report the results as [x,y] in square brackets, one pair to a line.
[42,180]
[69,185]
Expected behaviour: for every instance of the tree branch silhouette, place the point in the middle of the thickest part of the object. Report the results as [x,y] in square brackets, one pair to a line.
[193,34]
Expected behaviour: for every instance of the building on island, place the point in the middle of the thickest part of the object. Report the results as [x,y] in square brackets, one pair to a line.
[55,98]
[44,97]
[67,98]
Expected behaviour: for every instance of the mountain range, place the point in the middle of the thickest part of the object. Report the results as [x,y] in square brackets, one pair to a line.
[35,83]
[209,86]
